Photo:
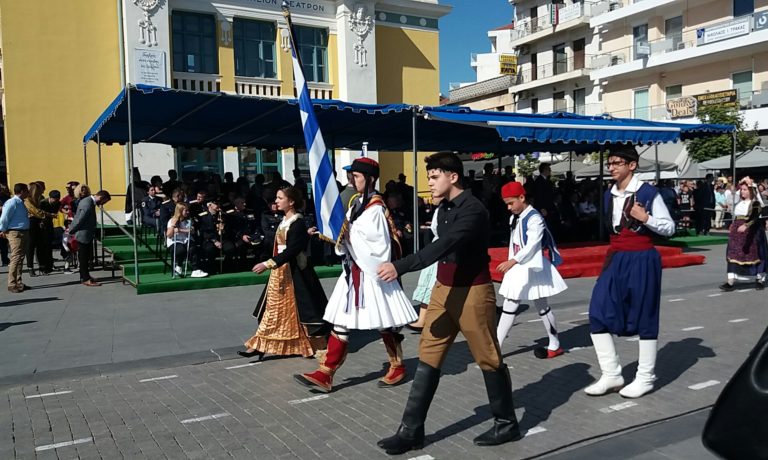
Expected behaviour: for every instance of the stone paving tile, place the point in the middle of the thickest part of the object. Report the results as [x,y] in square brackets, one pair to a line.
[143,420]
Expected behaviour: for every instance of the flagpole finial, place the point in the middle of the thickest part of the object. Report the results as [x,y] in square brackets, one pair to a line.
[285,7]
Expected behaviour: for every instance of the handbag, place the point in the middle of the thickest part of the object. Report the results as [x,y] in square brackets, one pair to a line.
[737,427]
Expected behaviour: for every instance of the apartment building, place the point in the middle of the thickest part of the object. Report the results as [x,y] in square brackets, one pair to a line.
[649,59]
[63,62]
[661,59]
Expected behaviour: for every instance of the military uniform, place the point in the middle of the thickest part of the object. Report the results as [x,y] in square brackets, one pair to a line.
[150,211]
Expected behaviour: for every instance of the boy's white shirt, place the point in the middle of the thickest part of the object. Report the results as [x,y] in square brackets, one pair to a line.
[529,255]
[660,221]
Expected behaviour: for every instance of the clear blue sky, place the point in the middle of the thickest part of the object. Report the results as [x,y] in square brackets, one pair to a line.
[464,31]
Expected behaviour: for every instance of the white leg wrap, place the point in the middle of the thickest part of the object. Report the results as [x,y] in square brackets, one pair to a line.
[611,379]
[646,362]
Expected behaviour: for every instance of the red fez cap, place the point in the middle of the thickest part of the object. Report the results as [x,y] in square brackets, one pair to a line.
[365,165]
[512,189]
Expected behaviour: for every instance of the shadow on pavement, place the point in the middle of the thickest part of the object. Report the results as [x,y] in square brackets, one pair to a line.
[553,390]
[14,303]
[4,326]
[675,358]
[574,337]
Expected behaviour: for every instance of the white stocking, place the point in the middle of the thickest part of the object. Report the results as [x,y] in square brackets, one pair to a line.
[548,318]
[508,313]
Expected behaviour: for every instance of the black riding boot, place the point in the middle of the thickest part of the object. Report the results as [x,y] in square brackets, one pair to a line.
[410,434]
[505,427]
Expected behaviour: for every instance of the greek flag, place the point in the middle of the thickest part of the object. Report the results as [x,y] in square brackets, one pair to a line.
[329,212]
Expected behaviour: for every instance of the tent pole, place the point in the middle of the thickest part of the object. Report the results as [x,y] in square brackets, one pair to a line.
[416,226]
[733,159]
[570,162]
[658,166]
[85,160]
[601,210]
[101,187]
[133,185]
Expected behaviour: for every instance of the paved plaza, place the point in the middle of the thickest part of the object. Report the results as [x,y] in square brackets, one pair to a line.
[103,373]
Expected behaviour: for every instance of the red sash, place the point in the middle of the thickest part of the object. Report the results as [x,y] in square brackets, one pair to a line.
[628,240]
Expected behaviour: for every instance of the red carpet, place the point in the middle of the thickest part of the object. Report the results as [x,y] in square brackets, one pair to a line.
[586,259]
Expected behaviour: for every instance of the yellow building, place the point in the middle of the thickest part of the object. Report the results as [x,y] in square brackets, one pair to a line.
[63,62]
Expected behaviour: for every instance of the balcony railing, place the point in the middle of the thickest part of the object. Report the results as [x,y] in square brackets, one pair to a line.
[264,87]
[568,13]
[668,44]
[558,67]
[747,101]
[203,82]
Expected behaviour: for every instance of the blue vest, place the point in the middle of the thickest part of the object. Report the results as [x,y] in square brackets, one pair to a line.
[547,241]
[645,195]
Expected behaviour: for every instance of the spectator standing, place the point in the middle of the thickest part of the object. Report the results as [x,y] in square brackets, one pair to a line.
[720,206]
[171,184]
[544,201]
[70,196]
[5,195]
[38,239]
[14,226]
[349,192]
[84,229]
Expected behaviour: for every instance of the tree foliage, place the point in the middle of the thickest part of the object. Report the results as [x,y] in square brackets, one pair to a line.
[707,148]
[527,166]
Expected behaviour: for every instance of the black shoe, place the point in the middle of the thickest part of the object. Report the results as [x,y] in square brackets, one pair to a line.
[505,427]
[258,353]
[759,285]
[410,434]
[414,328]
[727,287]
[32,273]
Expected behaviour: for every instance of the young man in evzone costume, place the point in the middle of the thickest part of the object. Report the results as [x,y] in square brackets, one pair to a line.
[528,274]
[626,298]
[463,300]
[360,299]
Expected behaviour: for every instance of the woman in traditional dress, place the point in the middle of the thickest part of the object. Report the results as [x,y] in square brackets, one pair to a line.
[427,277]
[746,251]
[290,310]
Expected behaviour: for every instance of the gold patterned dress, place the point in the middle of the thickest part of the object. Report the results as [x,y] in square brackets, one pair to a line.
[281,329]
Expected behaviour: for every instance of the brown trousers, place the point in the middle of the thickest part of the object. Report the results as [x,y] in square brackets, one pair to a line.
[471,310]
[17,245]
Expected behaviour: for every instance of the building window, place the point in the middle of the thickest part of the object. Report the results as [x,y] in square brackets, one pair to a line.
[640,41]
[578,53]
[640,107]
[560,59]
[742,83]
[673,92]
[313,50]
[535,105]
[559,102]
[254,48]
[255,161]
[579,101]
[194,43]
[673,30]
[534,66]
[191,160]
[743,7]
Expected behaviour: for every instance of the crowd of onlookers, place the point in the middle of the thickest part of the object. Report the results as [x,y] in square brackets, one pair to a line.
[233,222]
[35,226]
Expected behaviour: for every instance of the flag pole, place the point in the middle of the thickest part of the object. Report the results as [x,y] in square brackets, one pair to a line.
[329,212]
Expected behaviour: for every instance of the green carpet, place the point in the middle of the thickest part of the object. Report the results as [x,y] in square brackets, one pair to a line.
[155,274]
[686,239]
[158,282]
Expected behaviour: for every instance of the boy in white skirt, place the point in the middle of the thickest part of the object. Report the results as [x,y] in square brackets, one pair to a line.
[360,299]
[528,274]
